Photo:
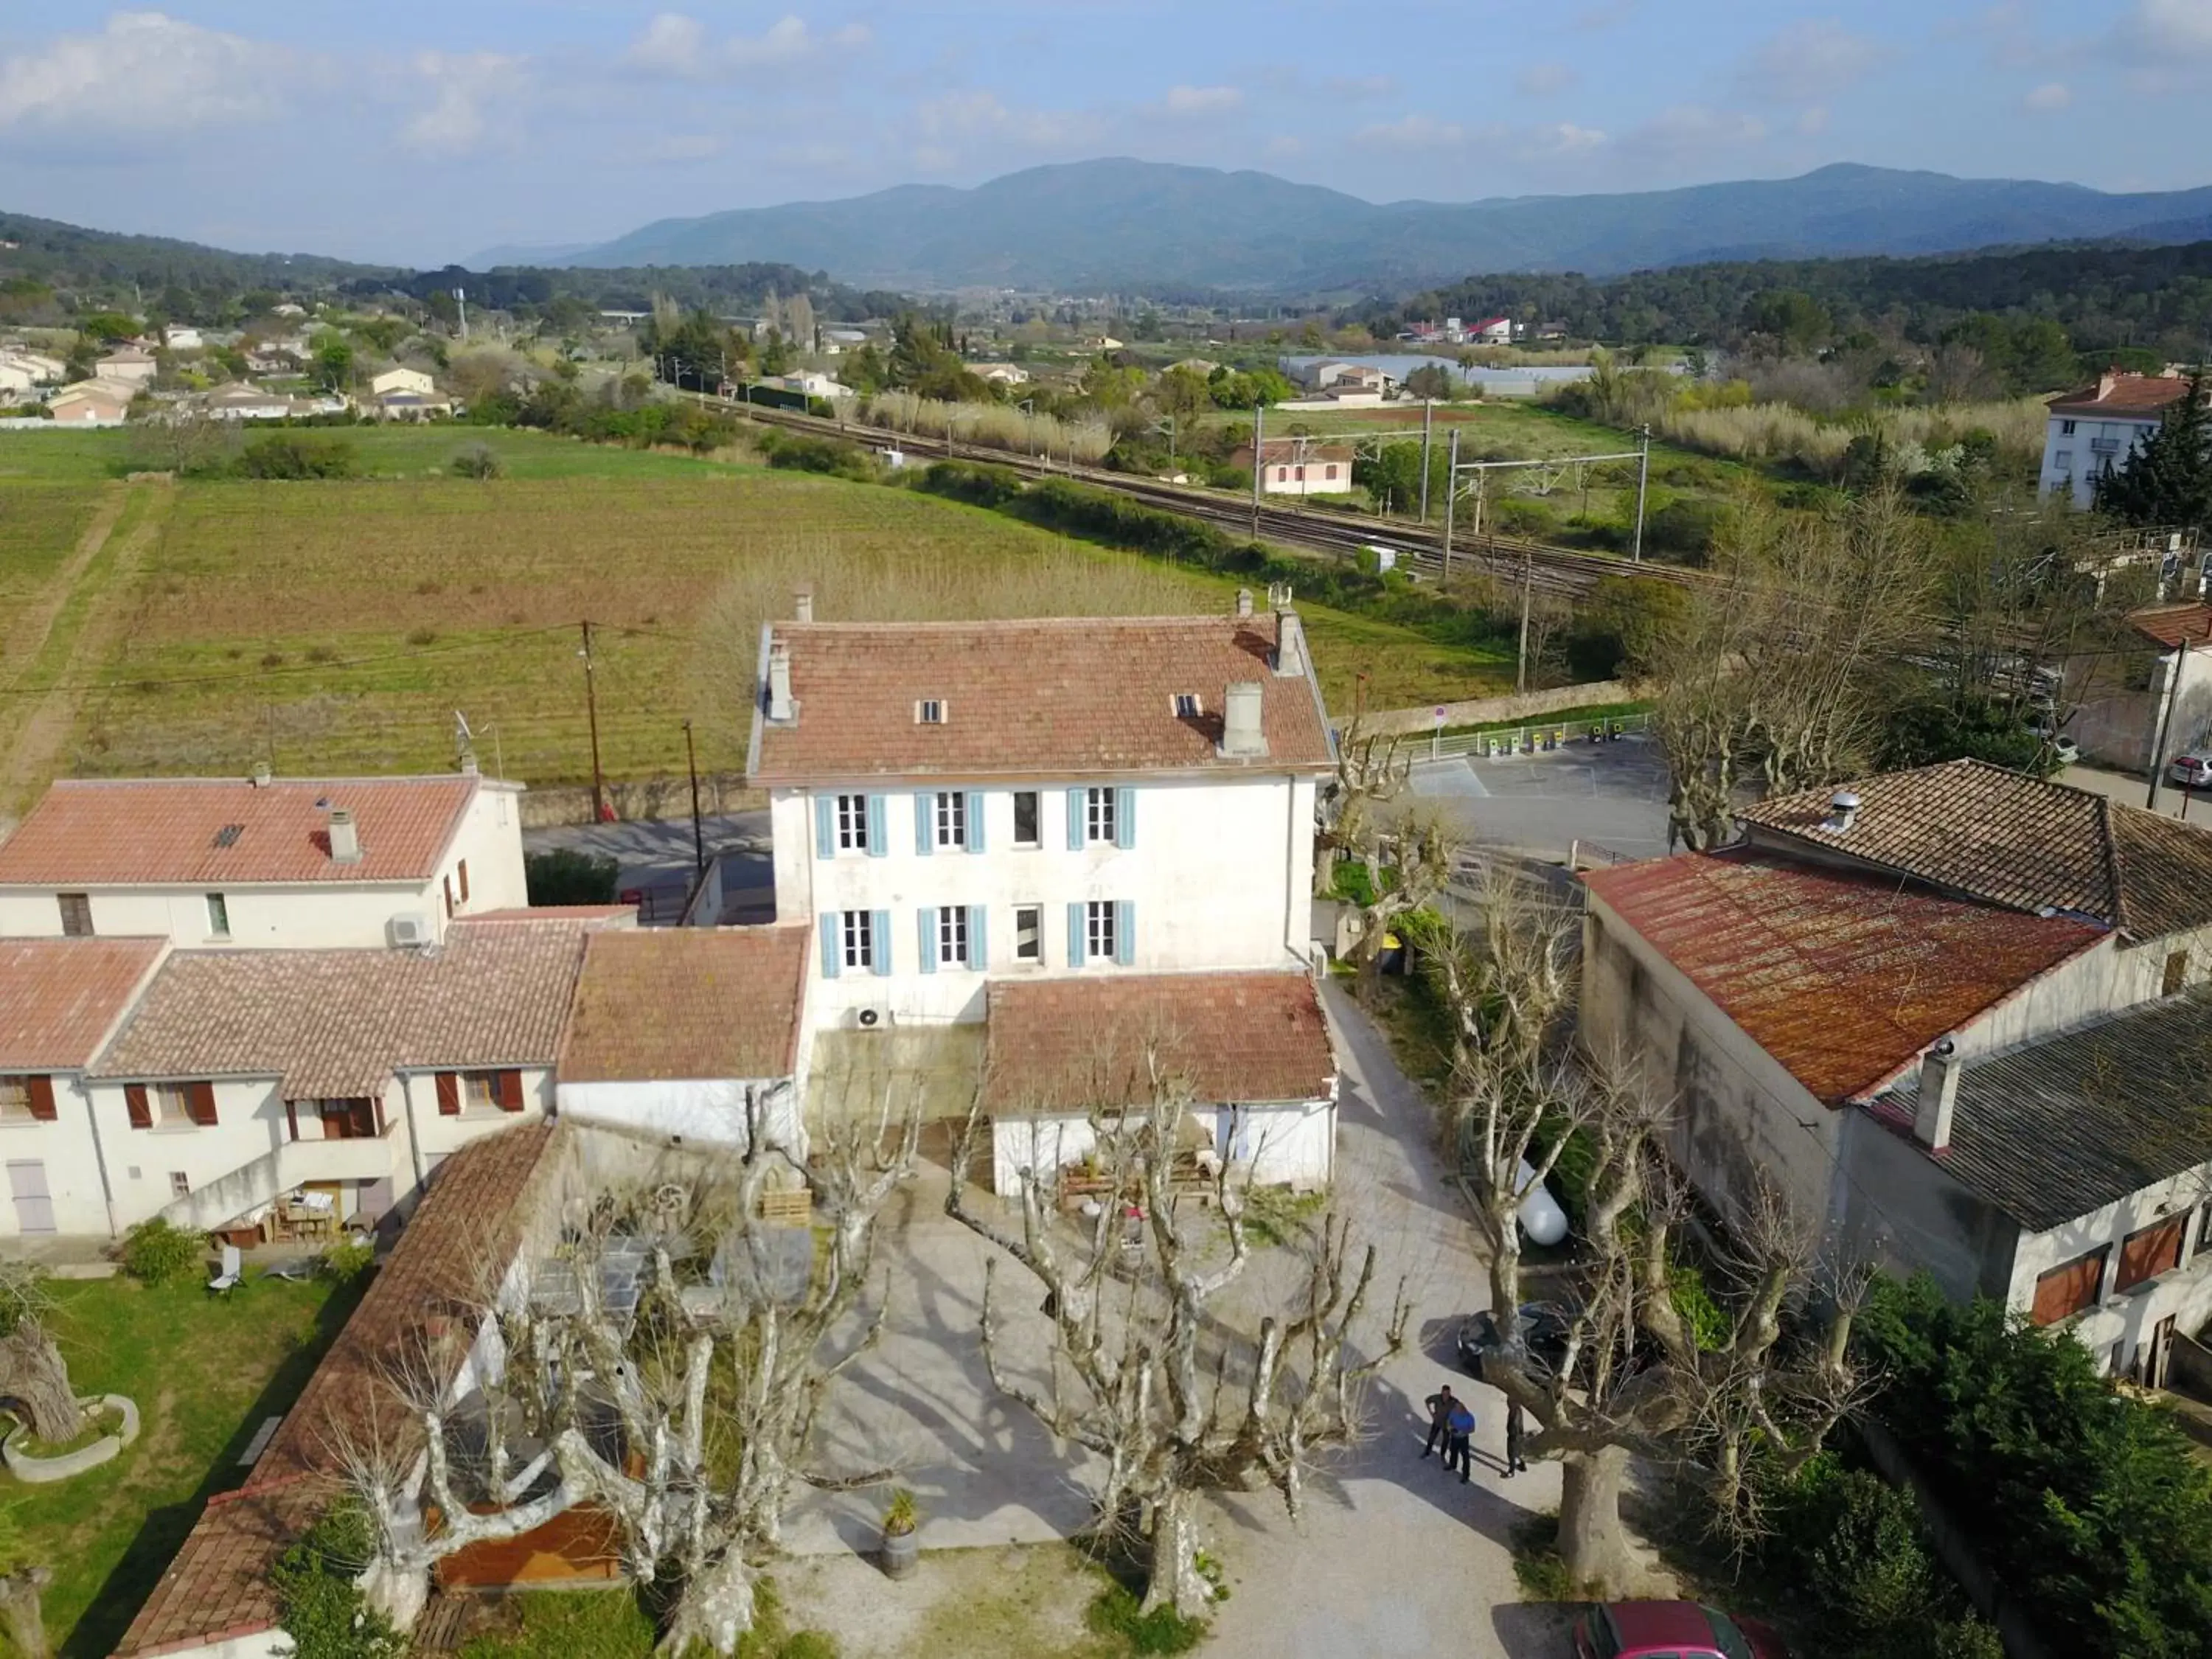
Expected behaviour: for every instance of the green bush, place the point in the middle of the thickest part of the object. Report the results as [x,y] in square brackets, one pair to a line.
[323,1610]
[295,455]
[1162,1630]
[976,482]
[346,1261]
[478,461]
[804,452]
[567,876]
[1684,531]
[1535,520]
[155,1253]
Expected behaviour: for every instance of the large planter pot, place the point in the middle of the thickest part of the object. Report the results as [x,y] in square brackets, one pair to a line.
[38,1470]
[901,1554]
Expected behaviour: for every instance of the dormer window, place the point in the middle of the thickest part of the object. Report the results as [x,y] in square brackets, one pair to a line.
[930,711]
[1188,706]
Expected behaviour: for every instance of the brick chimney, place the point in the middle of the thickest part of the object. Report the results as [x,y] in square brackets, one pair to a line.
[1241,737]
[345,837]
[1289,642]
[780,708]
[1940,1068]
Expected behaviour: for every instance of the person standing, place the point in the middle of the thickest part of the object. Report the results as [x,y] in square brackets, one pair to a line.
[1458,1449]
[1517,1432]
[1441,1405]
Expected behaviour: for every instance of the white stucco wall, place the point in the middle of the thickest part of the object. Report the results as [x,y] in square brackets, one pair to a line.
[69,1166]
[489,840]
[2122,1319]
[1281,1144]
[1221,875]
[2069,457]
[301,916]
[712,1112]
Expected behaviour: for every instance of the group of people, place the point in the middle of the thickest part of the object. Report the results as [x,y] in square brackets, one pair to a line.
[1451,1420]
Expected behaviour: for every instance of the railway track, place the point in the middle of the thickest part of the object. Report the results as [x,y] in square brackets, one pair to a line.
[1565,571]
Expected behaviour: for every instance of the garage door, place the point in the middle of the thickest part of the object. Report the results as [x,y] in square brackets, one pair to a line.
[34,1204]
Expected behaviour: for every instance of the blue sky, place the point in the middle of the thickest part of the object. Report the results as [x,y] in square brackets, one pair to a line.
[420,132]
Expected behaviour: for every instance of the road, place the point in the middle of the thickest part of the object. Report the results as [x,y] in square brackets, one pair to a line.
[656,856]
[1612,796]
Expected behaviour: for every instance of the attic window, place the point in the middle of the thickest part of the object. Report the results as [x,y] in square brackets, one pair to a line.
[930,711]
[228,834]
[1188,706]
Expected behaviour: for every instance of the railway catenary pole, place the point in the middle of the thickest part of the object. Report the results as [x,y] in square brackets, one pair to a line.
[1451,494]
[1428,432]
[1643,487]
[1258,470]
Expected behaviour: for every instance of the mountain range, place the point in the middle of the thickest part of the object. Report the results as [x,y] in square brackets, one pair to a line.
[1098,226]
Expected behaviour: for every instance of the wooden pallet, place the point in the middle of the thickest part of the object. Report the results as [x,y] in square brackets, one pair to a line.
[789,1209]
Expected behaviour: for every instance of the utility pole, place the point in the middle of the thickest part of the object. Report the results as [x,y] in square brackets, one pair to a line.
[592,714]
[1528,588]
[2158,759]
[1642,485]
[461,299]
[1258,463]
[1428,431]
[698,835]
[1451,495]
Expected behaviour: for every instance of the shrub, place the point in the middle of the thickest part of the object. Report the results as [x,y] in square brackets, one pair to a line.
[976,482]
[1535,520]
[802,452]
[1685,531]
[348,1261]
[567,876]
[1115,1612]
[323,1610]
[155,1253]
[478,461]
[295,455]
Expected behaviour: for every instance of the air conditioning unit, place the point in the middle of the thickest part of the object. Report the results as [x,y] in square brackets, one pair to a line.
[871,1019]
[408,930]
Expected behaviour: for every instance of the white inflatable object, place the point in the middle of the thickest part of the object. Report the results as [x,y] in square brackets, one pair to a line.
[1541,1216]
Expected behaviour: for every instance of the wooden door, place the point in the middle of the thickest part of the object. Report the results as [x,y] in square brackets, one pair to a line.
[34,1204]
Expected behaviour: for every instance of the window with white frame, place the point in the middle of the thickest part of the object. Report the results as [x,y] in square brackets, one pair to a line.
[218,909]
[1029,932]
[857,929]
[478,1092]
[172,1106]
[929,711]
[952,936]
[1028,820]
[951,813]
[1188,706]
[15,1100]
[1098,940]
[852,823]
[1098,814]
[2066,428]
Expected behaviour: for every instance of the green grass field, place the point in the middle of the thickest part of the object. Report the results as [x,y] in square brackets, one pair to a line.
[341,624]
[397,451]
[204,1372]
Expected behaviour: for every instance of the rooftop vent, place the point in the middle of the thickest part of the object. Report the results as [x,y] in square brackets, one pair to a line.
[261,775]
[345,837]
[1939,1095]
[228,834]
[780,708]
[1843,812]
[1241,737]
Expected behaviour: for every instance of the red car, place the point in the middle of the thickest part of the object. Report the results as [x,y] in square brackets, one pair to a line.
[1671,1630]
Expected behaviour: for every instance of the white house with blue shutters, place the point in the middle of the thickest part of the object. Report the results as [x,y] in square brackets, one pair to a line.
[956,803]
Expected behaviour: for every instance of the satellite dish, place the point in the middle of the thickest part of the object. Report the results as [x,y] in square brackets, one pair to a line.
[461,726]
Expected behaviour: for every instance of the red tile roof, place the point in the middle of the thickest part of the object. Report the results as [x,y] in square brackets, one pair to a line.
[1057,697]
[687,1003]
[60,997]
[2171,625]
[1290,452]
[1066,1044]
[336,1024]
[1841,977]
[215,831]
[471,1223]
[2122,396]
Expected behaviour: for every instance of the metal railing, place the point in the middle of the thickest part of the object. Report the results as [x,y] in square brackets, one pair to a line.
[1541,737]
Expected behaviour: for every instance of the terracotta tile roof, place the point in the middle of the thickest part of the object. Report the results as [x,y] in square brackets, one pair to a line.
[687,1002]
[2122,396]
[1068,1043]
[1055,697]
[1289,452]
[472,1217]
[2012,839]
[2055,1129]
[2171,625]
[337,1023]
[1841,977]
[213,831]
[60,997]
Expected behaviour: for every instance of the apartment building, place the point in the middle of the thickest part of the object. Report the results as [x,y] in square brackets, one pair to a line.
[2098,426]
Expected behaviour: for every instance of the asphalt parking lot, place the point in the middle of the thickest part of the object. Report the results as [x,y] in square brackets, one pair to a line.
[1612,794]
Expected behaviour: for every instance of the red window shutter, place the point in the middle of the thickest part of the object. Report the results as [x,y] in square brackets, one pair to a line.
[2066,1291]
[199,1103]
[42,1096]
[447,881]
[449,1094]
[465,881]
[507,1089]
[142,1111]
[2147,1253]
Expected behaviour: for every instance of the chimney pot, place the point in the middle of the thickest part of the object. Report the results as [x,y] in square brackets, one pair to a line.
[469,765]
[1243,601]
[1290,641]
[780,708]
[1241,737]
[261,775]
[1940,1068]
[803,605]
[345,837]
[1843,812]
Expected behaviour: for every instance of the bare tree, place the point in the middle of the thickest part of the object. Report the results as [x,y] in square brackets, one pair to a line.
[667,1368]
[33,1376]
[1406,857]
[1177,1389]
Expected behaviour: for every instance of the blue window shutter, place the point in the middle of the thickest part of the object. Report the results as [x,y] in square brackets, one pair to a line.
[1125,818]
[880,845]
[832,946]
[974,820]
[879,937]
[1075,934]
[1075,820]
[1125,931]
[979,949]
[825,826]
[924,822]
[926,933]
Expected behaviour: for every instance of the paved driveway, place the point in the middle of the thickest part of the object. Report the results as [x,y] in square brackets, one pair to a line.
[658,853]
[1613,794]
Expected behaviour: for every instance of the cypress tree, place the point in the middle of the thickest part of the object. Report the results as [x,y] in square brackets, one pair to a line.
[2168,479]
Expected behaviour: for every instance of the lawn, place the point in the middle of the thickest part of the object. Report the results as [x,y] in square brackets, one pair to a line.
[39,523]
[343,623]
[205,1372]
[394,451]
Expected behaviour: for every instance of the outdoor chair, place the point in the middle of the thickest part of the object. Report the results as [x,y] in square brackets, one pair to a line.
[232,1274]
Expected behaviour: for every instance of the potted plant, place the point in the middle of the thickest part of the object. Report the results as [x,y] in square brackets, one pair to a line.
[902,1535]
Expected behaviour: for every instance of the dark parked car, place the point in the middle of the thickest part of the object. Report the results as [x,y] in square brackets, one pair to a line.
[1544,1328]
[1672,1629]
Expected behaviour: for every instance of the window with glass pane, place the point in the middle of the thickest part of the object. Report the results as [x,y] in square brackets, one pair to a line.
[1029,932]
[853,823]
[952,936]
[1098,814]
[218,915]
[1098,929]
[952,817]
[1026,826]
[860,939]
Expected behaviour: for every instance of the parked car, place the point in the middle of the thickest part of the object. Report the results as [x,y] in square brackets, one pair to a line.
[2062,750]
[1544,1328]
[2191,771]
[1672,1629]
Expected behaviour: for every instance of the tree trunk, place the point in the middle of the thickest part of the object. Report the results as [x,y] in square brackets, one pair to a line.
[1174,1580]
[715,1609]
[399,1593]
[35,1381]
[21,1615]
[1592,1541]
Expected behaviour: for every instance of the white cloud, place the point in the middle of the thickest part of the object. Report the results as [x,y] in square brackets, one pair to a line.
[2157,31]
[1542,80]
[1562,140]
[1412,132]
[147,72]
[950,127]
[1810,60]
[2052,95]
[680,47]
[1202,101]
[466,91]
